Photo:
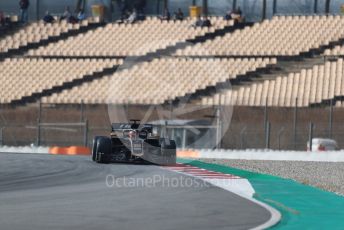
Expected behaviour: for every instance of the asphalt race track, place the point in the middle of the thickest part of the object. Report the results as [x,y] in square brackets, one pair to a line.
[70,192]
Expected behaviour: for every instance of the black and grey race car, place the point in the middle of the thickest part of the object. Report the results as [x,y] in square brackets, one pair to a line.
[134,142]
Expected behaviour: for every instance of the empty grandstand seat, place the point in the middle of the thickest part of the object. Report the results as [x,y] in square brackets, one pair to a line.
[22,77]
[129,39]
[281,36]
[309,86]
[160,80]
[34,33]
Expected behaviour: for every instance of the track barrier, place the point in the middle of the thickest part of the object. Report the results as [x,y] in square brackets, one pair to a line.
[188,153]
[72,150]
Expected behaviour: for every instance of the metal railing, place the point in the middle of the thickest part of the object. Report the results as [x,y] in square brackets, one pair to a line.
[58,126]
[259,128]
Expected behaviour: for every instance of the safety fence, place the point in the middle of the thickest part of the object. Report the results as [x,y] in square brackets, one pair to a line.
[248,127]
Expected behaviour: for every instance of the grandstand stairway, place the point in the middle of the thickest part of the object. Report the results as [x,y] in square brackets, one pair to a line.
[281,68]
[128,63]
[24,49]
[284,67]
[321,50]
[231,83]
[294,64]
[170,50]
[66,85]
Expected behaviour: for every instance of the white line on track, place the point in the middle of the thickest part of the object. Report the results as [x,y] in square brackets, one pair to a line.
[231,183]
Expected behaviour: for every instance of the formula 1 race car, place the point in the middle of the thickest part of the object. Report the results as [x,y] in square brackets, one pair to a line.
[134,142]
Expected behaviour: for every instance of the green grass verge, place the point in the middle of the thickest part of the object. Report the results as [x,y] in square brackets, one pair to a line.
[301,206]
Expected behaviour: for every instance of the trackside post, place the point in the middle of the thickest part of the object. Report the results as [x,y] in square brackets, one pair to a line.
[295,125]
[1,136]
[330,125]
[267,135]
[86,132]
[311,127]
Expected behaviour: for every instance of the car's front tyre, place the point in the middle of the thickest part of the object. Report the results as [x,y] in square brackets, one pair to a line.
[94,147]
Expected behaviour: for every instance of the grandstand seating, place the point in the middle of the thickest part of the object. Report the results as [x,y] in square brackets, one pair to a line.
[159,81]
[165,79]
[310,86]
[22,77]
[281,36]
[128,39]
[336,51]
[36,32]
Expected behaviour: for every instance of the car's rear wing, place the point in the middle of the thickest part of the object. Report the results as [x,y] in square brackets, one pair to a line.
[126,126]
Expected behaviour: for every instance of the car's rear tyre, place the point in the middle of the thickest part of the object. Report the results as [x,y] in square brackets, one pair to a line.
[103,150]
